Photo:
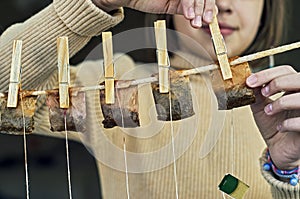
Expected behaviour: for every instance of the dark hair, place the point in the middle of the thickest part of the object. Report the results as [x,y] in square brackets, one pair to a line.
[271,28]
[271,31]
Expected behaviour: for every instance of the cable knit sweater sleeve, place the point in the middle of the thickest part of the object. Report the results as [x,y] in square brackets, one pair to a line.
[279,189]
[79,20]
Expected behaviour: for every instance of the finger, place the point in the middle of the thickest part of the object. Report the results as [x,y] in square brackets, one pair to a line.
[204,10]
[283,83]
[287,102]
[188,9]
[209,10]
[290,125]
[265,76]
[198,7]
[260,101]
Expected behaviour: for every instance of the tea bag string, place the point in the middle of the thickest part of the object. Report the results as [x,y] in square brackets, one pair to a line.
[25,149]
[232,148]
[173,144]
[68,156]
[124,146]
[223,195]
[232,141]
[126,169]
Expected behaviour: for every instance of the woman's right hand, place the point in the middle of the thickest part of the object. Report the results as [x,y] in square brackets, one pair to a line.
[279,120]
[194,10]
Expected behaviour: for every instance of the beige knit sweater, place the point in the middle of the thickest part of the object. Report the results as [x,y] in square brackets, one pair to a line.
[149,147]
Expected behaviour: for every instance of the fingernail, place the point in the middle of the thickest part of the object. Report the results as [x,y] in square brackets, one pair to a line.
[279,127]
[268,109]
[251,80]
[208,16]
[197,21]
[191,13]
[265,91]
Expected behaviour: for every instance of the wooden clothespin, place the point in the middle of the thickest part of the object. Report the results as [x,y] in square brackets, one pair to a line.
[162,55]
[15,75]
[220,48]
[63,71]
[109,72]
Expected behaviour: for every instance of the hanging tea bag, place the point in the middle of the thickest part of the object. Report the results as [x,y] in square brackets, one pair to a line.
[11,119]
[75,114]
[233,93]
[181,98]
[124,111]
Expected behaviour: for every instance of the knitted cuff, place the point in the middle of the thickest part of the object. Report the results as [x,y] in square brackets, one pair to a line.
[279,189]
[84,18]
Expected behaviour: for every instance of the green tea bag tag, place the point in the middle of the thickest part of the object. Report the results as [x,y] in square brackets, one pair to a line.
[233,187]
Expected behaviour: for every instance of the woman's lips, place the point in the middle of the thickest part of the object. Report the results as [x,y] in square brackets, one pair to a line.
[224,29]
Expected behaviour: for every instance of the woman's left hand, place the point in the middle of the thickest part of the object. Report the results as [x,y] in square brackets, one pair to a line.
[196,11]
[278,120]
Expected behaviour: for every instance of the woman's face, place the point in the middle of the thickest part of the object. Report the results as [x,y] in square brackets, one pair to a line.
[238,20]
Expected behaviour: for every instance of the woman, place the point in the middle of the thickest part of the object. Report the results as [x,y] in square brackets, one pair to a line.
[193,177]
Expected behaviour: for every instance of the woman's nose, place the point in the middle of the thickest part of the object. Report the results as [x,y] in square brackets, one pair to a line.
[225,6]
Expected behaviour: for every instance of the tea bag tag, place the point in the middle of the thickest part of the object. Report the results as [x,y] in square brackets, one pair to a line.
[63,71]
[15,75]
[109,72]
[233,187]
[220,48]
[162,55]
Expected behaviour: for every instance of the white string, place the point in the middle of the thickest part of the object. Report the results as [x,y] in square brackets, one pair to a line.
[25,150]
[232,142]
[271,60]
[173,146]
[68,157]
[232,148]
[124,148]
[223,194]
[126,170]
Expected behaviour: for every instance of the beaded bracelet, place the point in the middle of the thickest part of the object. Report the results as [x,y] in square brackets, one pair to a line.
[292,174]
